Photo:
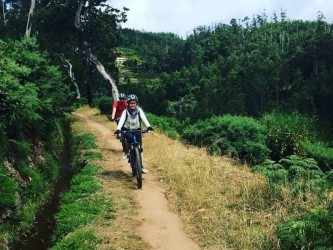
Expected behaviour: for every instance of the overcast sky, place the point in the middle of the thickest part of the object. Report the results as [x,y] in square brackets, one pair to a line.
[182,16]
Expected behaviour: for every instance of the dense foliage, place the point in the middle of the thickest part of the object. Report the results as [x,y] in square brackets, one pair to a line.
[55,26]
[239,137]
[246,67]
[32,117]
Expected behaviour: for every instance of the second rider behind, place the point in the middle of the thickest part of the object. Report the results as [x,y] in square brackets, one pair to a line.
[118,107]
[131,120]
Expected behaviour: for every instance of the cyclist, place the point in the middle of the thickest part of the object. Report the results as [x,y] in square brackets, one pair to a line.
[118,107]
[131,120]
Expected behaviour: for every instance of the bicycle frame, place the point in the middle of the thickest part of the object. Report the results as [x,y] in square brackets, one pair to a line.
[135,159]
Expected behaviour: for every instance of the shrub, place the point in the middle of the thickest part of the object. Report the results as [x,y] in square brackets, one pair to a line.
[285,132]
[310,231]
[302,175]
[237,136]
[275,172]
[36,182]
[104,105]
[170,126]
[320,152]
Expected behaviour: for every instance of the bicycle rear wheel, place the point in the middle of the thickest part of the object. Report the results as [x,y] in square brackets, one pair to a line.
[138,163]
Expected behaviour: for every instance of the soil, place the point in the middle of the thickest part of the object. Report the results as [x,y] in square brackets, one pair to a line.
[159,227]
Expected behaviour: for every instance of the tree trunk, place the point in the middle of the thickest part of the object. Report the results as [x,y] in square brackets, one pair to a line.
[103,72]
[30,17]
[91,58]
[3,12]
[88,85]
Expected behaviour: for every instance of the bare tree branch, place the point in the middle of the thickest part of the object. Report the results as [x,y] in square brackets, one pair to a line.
[30,16]
[69,66]
[101,69]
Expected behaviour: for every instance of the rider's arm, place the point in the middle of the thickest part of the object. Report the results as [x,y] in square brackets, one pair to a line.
[122,120]
[144,118]
[113,113]
[114,109]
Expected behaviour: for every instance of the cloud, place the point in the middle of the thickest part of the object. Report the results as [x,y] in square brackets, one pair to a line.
[182,16]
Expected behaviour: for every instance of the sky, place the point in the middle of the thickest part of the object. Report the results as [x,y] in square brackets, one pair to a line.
[182,16]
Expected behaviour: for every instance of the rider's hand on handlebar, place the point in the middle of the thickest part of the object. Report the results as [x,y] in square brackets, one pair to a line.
[117,132]
[150,129]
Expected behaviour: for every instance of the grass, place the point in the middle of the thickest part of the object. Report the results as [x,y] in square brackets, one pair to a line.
[115,226]
[81,205]
[222,204]
[81,239]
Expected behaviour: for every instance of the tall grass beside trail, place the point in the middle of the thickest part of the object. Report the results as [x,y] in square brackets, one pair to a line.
[225,204]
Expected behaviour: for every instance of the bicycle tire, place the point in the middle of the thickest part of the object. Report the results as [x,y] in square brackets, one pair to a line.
[138,163]
[132,162]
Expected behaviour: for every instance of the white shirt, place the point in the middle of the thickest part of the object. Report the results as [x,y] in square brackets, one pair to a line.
[132,123]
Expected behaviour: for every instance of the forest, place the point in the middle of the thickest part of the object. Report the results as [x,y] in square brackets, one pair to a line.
[258,90]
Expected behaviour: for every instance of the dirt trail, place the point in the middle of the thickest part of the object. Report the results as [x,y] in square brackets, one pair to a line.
[160,228]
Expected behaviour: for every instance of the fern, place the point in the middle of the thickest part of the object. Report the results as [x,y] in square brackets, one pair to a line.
[309,231]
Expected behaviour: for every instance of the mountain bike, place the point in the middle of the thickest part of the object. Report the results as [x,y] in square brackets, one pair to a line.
[135,159]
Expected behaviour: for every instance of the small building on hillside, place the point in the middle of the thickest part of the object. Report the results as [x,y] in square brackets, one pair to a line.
[120,60]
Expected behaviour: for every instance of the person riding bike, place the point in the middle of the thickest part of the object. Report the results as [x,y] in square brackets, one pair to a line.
[131,120]
[118,107]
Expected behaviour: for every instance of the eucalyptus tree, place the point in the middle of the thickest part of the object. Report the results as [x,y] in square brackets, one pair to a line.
[82,34]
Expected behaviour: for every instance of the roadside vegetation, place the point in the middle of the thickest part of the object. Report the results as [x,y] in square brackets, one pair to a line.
[81,204]
[247,108]
[232,193]
[33,131]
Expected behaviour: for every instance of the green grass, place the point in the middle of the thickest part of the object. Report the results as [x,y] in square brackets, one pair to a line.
[93,155]
[80,205]
[78,240]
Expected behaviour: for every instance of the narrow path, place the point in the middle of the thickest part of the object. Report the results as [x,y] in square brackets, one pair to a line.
[160,228]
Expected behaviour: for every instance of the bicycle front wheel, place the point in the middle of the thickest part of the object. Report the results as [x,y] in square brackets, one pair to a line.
[138,163]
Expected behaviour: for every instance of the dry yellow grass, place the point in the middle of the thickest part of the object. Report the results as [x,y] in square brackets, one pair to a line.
[222,203]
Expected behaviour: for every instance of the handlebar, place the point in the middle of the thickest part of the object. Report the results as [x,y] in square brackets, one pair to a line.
[143,131]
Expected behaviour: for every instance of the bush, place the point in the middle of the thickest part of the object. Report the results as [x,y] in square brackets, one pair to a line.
[170,126]
[320,152]
[237,136]
[285,132]
[104,105]
[302,175]
[309,231]
[35,184]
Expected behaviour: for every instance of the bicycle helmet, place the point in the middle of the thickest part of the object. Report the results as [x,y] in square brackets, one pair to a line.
[122,96]
[132,98]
